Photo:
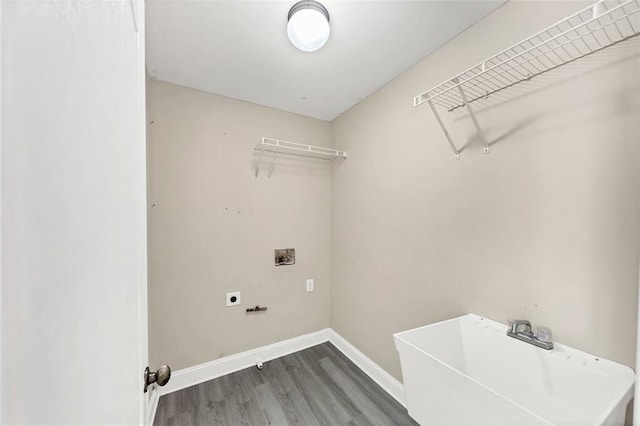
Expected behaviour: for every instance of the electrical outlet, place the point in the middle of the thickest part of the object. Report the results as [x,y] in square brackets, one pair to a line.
[309,285]
[233,299]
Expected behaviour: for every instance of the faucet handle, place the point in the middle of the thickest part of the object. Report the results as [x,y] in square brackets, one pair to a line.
[543,334]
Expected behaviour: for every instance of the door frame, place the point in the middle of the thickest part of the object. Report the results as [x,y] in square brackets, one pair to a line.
[137,8]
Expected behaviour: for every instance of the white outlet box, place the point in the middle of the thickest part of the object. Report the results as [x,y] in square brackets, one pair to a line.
[309,285]
[233,299]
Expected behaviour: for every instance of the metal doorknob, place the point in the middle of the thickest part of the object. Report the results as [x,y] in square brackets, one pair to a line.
[161,376]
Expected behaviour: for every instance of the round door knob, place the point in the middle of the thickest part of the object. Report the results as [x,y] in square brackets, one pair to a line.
[163,374]
[160,376]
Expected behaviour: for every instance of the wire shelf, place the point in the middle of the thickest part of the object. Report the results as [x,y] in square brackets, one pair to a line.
[600,25]
[276,146]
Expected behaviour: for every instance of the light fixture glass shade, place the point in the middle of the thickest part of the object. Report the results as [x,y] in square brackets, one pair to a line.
[308,27]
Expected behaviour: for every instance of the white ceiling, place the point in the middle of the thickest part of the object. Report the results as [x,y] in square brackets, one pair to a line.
[240,49]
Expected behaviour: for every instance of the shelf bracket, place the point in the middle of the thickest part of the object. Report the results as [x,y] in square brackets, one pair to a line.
[272,165]
[597,9]
[259,162]
[444,129]
[486,149]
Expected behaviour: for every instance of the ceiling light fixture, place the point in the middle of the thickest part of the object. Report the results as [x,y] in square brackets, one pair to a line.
[308,26]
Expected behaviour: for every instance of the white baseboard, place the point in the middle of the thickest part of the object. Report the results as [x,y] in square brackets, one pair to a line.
[204,372]
[385,380]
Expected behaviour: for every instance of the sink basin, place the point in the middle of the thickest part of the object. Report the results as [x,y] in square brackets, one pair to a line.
[468,371]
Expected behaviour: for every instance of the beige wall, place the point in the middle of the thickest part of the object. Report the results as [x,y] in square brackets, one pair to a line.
[213,227]
[544,227]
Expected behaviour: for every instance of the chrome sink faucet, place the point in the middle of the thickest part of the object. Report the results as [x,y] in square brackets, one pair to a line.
[522,330]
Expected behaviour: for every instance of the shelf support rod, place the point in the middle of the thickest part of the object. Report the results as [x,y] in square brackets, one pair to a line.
[259,162]
[473,117]
[596,10]
[444,129]
[273,164]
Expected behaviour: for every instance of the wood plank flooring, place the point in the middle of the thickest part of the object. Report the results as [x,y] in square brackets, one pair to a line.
[316,386]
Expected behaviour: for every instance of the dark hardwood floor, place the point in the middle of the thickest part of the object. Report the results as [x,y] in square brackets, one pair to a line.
[316,386]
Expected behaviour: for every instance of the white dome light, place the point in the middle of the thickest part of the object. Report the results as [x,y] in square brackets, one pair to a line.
[308,27]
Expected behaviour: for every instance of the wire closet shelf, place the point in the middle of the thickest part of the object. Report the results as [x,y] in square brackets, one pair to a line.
[276,147]
[589,30]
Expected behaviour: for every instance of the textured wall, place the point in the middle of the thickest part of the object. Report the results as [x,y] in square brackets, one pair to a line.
[544,227]
[213,227]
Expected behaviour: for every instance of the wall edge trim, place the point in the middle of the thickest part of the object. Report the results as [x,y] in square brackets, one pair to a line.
[153,405]
[220,367]
[379,375]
